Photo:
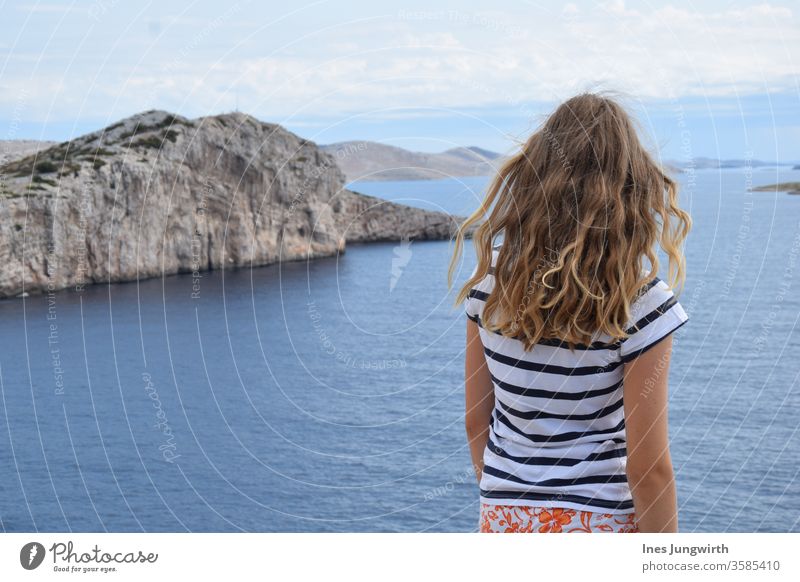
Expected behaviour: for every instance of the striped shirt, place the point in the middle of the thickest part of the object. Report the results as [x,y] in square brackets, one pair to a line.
[557,433]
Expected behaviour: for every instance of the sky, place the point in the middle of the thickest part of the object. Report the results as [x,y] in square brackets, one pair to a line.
[716,79]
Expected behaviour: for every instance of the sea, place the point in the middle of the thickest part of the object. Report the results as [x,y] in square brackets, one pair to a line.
[327,396]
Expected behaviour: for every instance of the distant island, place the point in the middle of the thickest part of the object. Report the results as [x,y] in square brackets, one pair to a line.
[370,161]
[788,187]
[704,163]
[156,194]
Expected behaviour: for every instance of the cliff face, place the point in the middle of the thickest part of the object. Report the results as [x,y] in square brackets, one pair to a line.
[160,194]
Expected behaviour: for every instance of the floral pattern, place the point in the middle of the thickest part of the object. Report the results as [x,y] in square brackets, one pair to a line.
[528,519]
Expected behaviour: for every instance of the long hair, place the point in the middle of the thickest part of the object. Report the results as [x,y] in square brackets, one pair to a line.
[580,208]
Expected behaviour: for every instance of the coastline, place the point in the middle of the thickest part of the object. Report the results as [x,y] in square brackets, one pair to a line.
[157,194]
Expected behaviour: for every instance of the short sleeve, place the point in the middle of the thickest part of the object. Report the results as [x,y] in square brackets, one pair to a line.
[469,309]
[655,315]
[470,304]
[473,304]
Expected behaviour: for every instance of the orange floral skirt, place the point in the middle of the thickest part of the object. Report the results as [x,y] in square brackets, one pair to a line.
[527,519]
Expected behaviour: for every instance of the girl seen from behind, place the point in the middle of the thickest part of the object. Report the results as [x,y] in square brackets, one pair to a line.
[569,330]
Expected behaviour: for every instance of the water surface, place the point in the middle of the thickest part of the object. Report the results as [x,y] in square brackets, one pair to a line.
[328,396]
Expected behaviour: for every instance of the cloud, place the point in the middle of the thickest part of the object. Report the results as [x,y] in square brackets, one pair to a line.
[418,59]
[45,8]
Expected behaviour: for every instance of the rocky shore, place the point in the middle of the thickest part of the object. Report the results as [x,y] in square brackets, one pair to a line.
[157,194]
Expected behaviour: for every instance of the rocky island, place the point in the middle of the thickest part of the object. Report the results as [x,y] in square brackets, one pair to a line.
[370,161]
[158,194]
[788,187]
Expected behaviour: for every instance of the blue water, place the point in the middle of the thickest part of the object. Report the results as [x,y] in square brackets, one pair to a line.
[327,396]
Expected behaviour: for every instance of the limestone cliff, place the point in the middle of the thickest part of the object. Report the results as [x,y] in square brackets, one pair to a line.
[159,194]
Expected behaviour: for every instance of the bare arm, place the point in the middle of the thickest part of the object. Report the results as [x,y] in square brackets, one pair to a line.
[479,397]
[649,466]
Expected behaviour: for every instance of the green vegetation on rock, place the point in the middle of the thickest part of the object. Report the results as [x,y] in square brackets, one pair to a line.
[46,167]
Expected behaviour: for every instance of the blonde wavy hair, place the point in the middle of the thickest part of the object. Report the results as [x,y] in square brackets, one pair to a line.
[580,208]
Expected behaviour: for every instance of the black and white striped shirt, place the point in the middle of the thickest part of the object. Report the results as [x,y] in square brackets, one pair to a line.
[557,434]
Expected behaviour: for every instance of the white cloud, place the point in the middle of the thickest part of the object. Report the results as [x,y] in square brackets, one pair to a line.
[570,9]
[44,8]
[443,59]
